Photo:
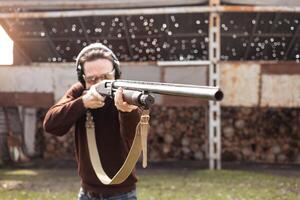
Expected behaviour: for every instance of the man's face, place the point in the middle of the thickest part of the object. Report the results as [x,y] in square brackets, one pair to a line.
[97,70]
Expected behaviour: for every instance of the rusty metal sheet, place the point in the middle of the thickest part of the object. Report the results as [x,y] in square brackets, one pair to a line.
[280,90]
[281,68]
[240,83]
[27,99]
[265,2]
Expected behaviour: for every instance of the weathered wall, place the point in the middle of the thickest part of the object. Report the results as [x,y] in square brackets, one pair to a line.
[259,84]
[36,80]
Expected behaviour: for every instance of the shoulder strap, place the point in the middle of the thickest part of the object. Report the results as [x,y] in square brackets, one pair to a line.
[139,144]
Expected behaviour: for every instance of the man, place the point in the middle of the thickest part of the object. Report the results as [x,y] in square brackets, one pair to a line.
[114,123]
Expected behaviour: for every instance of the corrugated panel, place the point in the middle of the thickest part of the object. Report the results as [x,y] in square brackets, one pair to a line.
[13,118]
[3,127]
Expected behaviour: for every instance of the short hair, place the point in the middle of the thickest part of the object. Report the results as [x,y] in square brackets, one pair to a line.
[95,54]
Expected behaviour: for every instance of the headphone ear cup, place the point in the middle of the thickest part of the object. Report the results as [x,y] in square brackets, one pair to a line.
[117,69]
[79,70]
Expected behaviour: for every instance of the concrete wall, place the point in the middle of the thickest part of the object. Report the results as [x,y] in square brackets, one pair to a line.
[37,79]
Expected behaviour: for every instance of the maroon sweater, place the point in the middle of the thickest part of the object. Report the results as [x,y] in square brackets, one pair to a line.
[114,132]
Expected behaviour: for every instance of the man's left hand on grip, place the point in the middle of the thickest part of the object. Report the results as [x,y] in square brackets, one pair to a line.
[121,104]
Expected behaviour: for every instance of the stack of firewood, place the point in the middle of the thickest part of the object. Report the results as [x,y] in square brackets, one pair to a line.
[261,134]
[59,147]
[49,146]
[177,133]
[180,133]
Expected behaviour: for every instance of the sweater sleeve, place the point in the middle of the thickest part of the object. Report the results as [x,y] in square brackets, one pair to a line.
[61,116]
[128,123]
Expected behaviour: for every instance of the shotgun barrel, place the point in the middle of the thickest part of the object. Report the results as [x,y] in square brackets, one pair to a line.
[203,92]
[139,92]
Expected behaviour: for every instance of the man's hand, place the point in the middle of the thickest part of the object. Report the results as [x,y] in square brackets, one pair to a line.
[121,104]
[92,99]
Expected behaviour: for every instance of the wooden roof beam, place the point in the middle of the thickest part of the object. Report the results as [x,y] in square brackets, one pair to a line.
[149,11]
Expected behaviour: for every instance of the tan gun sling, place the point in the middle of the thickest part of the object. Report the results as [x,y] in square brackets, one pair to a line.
[139,144]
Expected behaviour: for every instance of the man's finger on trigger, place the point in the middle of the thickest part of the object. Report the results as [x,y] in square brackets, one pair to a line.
[99,103]
[125,104]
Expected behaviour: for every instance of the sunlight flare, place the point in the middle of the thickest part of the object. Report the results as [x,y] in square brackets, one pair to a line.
[6,48]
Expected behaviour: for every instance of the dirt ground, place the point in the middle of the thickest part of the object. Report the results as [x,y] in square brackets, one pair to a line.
[42,182]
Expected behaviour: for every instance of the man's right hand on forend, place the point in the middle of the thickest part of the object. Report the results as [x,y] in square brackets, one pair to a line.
[92,99]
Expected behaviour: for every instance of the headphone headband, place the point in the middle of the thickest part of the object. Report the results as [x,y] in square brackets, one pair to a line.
[95,46]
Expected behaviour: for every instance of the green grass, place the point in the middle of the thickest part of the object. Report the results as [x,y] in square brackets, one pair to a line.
[218,185]
[157,185]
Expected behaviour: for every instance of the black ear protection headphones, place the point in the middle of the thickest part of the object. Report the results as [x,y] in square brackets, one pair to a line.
[79,66]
